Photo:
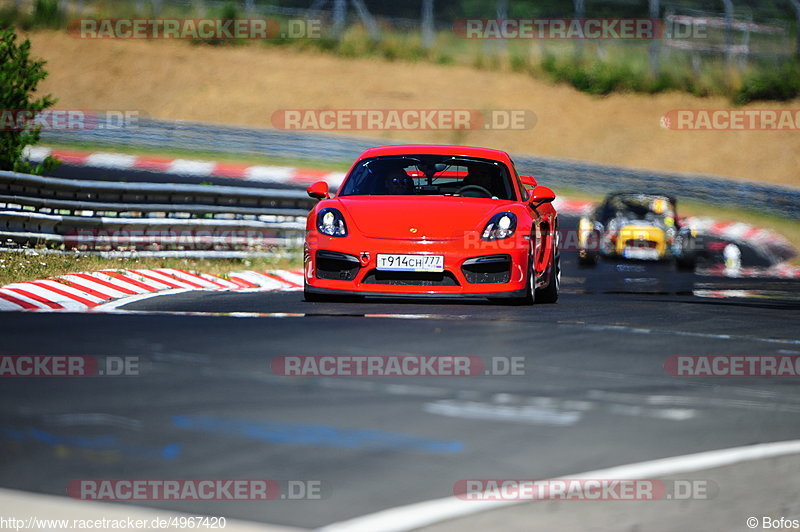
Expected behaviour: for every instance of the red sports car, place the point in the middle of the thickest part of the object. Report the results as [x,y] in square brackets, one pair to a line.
[433,221]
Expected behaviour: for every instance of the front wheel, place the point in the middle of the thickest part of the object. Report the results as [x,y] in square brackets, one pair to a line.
[549,294]
[530,290]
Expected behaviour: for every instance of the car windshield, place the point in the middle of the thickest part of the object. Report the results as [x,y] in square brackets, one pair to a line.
[429,175]
[638,207]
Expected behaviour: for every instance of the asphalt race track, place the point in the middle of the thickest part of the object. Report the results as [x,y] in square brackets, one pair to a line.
[594,392]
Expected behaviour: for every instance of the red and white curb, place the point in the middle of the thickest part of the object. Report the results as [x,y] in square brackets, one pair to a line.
[573,208]
[188,167]
[756,237]
[779,271]
[107,289]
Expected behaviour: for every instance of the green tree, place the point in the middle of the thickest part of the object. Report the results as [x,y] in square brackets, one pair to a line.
[19,77]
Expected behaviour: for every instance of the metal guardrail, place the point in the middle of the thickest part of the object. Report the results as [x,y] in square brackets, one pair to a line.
[784,201]
[97,215]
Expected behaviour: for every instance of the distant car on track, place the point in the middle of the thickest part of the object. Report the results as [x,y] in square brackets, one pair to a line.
[433,221]
[636,226]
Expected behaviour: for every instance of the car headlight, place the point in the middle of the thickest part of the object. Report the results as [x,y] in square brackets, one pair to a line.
[502,225]
[331,222]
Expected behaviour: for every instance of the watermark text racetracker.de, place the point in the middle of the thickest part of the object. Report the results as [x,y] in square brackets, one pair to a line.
[560,28]
[68,119]
[195,29]
[396,366]
[732,119]
[402,119]
[206,489]
[68,366]
[583,489]
[733,366]
[104,523]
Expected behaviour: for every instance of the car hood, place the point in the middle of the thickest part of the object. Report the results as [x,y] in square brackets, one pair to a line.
[433,217]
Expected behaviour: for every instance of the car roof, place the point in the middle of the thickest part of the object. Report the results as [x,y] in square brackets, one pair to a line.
[432,149]
[653,194]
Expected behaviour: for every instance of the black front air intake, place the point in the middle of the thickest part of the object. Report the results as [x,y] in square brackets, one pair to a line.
[487,269]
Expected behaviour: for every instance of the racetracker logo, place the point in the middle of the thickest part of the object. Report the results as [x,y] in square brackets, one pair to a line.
[186,239]
[733,366]
[732,119]
[196,29]
[395,366]
[67,120]
[196,489]
[559,28]
[499,489]
[67,366]
[402,119]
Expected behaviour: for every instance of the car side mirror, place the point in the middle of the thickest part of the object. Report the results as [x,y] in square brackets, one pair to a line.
[318,190]
[528,181]
[541,195]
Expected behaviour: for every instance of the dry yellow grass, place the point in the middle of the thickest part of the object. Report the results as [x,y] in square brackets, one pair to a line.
[246,85]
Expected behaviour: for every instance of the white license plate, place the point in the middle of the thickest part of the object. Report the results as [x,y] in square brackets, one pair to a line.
[411,263]
[640,254]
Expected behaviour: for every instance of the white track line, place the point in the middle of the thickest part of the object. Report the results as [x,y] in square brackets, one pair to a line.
[113,305]
[414,516]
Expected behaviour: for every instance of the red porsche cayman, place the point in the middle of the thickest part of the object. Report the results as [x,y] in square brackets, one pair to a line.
[433,221]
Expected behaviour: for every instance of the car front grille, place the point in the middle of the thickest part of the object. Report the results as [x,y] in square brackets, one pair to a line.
[444,278]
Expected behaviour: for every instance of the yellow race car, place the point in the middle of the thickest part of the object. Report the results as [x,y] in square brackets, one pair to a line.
[636,226]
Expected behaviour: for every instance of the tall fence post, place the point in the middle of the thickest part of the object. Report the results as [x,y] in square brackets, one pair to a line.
[728,32]
[427,24]
[655,46]
[502,13]
[339,13]
[580,12]
[367,19]
[796,5]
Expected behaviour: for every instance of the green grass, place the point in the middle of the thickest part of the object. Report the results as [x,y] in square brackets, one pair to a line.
[332,166]
[29,265]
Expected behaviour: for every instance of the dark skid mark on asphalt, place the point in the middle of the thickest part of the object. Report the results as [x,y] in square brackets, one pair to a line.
[315,435]
[95,442]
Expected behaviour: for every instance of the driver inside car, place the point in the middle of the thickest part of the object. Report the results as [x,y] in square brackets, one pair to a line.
[483,177]
[399,184]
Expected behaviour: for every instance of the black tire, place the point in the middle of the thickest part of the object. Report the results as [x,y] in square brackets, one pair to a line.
[588,260]
[311,297]
[686,263]
[530,292]
[549,294]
